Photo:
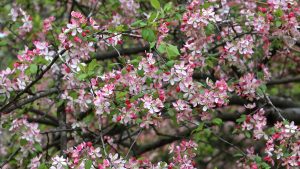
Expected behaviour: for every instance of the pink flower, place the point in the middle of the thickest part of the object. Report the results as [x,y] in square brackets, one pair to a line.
[248,85]
[181,105]
[47,24]
[14,14]
[181,69]
[114,40]
[74,28]
[76,15]
[245,45]
[27,23]
[221,85]
[171,77]
[154,106]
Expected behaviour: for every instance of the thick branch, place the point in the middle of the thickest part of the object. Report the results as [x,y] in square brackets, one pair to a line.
[61,115]
[42,121]
[114,53]
[284,81]
[23,102]
[162,142]
[279,102]
[39,112]
[291,114]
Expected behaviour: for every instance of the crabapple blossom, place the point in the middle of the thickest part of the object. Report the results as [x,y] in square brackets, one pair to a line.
[58,163]
[154,106]
[149,84]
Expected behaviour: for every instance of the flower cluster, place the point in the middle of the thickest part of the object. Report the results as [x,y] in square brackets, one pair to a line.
[247,86]
[276,146]
[29,134]
[183,154]
[26,20]
[257,122]
[79,156]
[99,84]
[81,153]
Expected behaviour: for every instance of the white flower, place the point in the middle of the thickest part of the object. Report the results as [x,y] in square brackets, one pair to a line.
[180,69]
[74,28]
[290,128]
[58,162]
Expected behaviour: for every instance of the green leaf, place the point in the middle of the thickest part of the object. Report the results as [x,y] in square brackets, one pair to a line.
[33,68]
[168,6]
[278,23]
[149,81]
[265,165]
[6,125]
[3,43]
[139,121]
[152,44]
[135,62]
[261,90]
[38,147]
[247,134]
[141,73]
[155,4]
[172,51]
[138,23]
[209,29]
[43,166]
[241,119]
[148,35]
[279,13]
[121,95]
[23,142]
[82,77]
[238,155]
[217,121]
[257,159]
[88,164]
[92,65]
[171,112]
[162,48]
[170,63]
[153,16]
[92,39]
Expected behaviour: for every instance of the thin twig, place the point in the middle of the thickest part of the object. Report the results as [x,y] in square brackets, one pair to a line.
[133,143]
[275,108]
[10,158]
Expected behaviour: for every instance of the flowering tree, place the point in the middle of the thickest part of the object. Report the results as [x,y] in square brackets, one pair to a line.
[161,84]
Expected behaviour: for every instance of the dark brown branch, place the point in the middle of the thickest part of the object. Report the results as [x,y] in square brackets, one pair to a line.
[284,81]
[60,130]
[39,112]
[42,121]
[114,53]
[61,115]
[20,103]
[162,142]
[279,102]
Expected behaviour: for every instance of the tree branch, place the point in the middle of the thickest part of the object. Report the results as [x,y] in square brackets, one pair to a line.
[18,104]
[42,121]
[114,53]
[61,114]
[162,142]
[10,158]
[284,81]
[39,77]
